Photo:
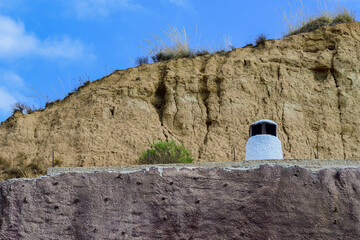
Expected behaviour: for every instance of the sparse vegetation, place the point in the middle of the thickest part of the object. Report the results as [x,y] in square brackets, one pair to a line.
[260,40]
[23,108]
[165,152]
[74,84]
[58,162]
[15,172]
[177,47]
[202,52]
[300,22]
[225,47]
[21,167]
[48,104]
[141,60]
[343,16]
[83,81]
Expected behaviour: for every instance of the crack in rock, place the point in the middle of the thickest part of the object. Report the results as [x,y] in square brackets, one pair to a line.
[333,74]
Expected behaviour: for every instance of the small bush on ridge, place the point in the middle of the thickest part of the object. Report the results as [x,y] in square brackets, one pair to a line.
[165,152]
[202,52]
[260,40]
[22,107]
[141,60]
[344,17]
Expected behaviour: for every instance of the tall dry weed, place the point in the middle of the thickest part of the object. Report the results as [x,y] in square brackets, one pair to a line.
[176,44]
[301,18]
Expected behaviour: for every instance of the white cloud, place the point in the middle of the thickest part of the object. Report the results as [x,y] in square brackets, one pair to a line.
[11,91]
[6,101]
[16,42]
[11,79]
[95,8]
[185,4]
[65,47]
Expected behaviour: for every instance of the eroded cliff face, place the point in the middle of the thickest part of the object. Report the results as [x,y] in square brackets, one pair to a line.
[308,84]
[265,203]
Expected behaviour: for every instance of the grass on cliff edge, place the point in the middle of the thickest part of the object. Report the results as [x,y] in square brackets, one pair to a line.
[300,22]
[176,45]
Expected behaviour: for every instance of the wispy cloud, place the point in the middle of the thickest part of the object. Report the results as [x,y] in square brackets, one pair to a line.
[185,4]
[6,102]
[11,91]
[16,42]
[94,8]
[11,79]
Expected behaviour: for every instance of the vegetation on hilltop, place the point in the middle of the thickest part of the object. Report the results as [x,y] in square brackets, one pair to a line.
[176,45]
[302,22]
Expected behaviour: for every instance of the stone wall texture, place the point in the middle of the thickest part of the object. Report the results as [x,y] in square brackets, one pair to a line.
[307,83]
[269,202]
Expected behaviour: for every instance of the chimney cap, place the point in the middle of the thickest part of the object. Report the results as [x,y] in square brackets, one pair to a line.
[264,121]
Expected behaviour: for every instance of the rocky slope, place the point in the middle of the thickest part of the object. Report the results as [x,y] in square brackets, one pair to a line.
[308,84]
[264,203]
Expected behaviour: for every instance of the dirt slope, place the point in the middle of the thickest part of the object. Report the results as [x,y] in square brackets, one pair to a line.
[308,84]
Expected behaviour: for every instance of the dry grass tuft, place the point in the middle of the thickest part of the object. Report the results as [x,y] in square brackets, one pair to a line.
[22,167]
[302,21]
[23,108]
[176,45]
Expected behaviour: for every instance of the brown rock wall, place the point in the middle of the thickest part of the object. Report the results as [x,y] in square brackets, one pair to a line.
[308,84]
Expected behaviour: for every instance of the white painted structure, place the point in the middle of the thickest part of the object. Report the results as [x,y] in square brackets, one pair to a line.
[263,142]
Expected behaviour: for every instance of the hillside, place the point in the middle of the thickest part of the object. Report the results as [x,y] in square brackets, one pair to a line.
[307,83]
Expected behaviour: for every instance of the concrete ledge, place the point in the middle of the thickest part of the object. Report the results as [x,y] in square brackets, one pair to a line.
[310,164]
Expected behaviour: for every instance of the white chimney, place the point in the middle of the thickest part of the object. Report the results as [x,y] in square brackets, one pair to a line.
[263,142]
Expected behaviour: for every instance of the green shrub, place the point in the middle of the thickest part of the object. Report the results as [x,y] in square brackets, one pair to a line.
[165,152]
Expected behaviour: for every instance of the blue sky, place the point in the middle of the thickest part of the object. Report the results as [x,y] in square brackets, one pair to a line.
[46,46]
